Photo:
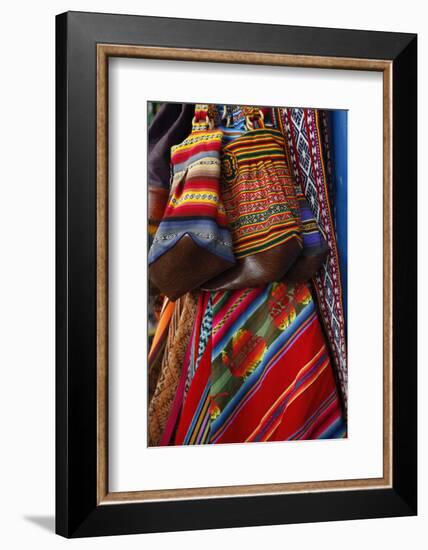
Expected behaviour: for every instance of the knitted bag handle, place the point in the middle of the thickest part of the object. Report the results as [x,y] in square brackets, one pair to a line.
[204,118]
[254,117]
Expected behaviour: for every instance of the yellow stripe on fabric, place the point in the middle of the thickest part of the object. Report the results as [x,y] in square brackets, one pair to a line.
[263,143]
[199,191]
[277,235]
[259,162]
[191,143]
[196,138]
[274,232]
[186,147]
[242,246]
[266,232]
[242,254]
[263,200]
[250,190]
[195,197]
[202,414]
[242,142]
[286,216]
[253,154]
[249,137]
[206,433]
[260,148]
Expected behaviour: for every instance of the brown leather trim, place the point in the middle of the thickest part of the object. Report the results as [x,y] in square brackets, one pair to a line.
[184,267]
[258,269]
[305,267]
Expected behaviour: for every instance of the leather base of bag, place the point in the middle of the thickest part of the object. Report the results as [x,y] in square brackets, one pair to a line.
[306,266]
[258,269]
[192,266]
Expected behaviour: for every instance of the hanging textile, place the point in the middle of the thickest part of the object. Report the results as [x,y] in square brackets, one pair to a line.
[192,243]
[301,127]
[336,124]
[245,358]
[263,370]
[158,343]
[179,331]
[170,125]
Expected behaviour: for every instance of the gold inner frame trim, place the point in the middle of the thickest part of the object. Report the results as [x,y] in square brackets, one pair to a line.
[104,51]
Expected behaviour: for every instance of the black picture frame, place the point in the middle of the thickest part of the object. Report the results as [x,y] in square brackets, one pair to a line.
[78,513]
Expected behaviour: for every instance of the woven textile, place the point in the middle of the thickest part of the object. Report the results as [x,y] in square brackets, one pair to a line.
[193,242]
[200,342]
[194,207]
[159,341]
[301,127]
[312,239]
[230,119]
[256,366]
[259,193]
[180,328]
[265,373]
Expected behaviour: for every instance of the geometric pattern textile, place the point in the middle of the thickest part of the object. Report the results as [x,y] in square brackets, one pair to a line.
[301,128]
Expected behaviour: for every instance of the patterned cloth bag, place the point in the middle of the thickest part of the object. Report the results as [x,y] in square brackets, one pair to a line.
[193,242]
[273,230]
[262,208]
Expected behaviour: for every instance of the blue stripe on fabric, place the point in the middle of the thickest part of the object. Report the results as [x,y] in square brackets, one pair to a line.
[197,414]
[312,239]
[267,358]
[336,430]
[200,225]
[215,246]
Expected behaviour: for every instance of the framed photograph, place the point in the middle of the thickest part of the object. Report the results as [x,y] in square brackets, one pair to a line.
[236,274]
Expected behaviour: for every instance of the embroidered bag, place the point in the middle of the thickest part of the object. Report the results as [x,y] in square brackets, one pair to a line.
[262,207]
